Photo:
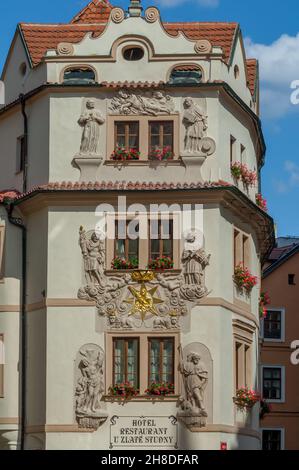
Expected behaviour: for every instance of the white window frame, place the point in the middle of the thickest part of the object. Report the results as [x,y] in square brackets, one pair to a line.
[282,434]
[282,310]
[283,381]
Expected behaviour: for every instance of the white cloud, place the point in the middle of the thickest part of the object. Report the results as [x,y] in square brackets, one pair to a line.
[292,180]
[279,67]
[174,3]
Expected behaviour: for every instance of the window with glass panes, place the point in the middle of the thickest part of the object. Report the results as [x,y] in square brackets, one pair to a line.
[271,439]
[126,361]
[127,135]
[272,383]
[160,135]
[161,360]
[272,324]
[127,240]
[161,239]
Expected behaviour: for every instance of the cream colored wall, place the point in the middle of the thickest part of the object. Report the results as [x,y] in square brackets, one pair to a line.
[15,82]
[11,127]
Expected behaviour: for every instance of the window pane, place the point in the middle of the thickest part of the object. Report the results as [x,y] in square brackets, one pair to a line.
[161,361]
[272,383]
[155,128]
[167,248]
[168,141]
[155,361]
[133,128]
[120,128]
[126,361]
[155,142]
[168,127]
[132,362]
[272,325]
[133,142]
[271,440]
[119,365]
[121,141]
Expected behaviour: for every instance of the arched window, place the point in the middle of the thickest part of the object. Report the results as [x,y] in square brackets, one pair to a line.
[185,75]
[79,75]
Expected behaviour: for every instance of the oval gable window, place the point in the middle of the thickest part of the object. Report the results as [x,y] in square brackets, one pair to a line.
[133,53]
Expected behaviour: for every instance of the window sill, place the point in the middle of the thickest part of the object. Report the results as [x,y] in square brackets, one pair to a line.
[150,163]
[141,398]
[111,272]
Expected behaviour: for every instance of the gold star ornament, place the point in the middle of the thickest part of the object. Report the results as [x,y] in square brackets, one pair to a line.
[143,301]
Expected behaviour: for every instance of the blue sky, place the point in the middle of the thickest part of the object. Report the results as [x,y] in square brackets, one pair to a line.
[271,30]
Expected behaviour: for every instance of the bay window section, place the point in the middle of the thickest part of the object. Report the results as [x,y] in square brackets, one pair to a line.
[126,361]
[161,360]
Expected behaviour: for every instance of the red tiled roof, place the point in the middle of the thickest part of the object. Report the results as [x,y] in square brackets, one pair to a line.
[278,253]
[97,11]
[113,186]
[252,69]
[40,38]
[219,34]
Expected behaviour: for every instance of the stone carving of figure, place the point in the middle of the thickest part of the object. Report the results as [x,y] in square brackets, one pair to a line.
[93,251]
[168,323]
[123,323]
[90,120]
[90,385]
[195,377]
[130,103]
[195,261]
[195,122]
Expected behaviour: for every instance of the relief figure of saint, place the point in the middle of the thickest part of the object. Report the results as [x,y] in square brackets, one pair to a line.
[90,120]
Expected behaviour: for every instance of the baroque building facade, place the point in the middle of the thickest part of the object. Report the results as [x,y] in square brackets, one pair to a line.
[121,124]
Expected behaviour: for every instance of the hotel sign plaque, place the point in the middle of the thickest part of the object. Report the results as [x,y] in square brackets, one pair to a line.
[141,431]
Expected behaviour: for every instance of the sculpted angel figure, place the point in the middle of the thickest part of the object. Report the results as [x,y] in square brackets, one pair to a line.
[93,251]
[90,120]
[195,122]
[195,376]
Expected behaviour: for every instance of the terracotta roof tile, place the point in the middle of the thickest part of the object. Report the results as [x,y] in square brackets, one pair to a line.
[113,186]
[252,71]
[127,84]
[219,34]
[97,11]
[40,38]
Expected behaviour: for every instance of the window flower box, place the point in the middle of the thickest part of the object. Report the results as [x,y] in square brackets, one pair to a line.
[264,301]
[122,155]
[163,154]
[160,389]
[243,278]
[160,264]
[246,398]
[124,391]
[240,171]
[123,264]
[261,202]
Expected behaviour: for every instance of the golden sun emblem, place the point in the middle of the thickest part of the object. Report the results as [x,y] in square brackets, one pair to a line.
[144,301]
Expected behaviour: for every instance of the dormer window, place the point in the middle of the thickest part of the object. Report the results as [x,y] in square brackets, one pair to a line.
[185,75]
[79,76]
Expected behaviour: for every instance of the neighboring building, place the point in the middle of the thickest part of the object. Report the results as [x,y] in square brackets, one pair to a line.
[280,378]
[177,105]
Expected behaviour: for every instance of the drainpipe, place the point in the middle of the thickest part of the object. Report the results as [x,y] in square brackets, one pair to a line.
[18,222]
[25,118]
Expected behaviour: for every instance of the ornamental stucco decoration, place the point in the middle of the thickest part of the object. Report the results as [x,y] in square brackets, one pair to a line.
[117,15]
[152,103]
[152,14]
[65,48]
[153,300]
[203,46]
[196,369]
[195,121]
[90,387]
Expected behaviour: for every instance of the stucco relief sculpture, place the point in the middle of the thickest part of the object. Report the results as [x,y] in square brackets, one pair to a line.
[93,251]
[91,120]
[195,404]
[142,298]
[90,387]
[152,103]
[196,143]
[89,158]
